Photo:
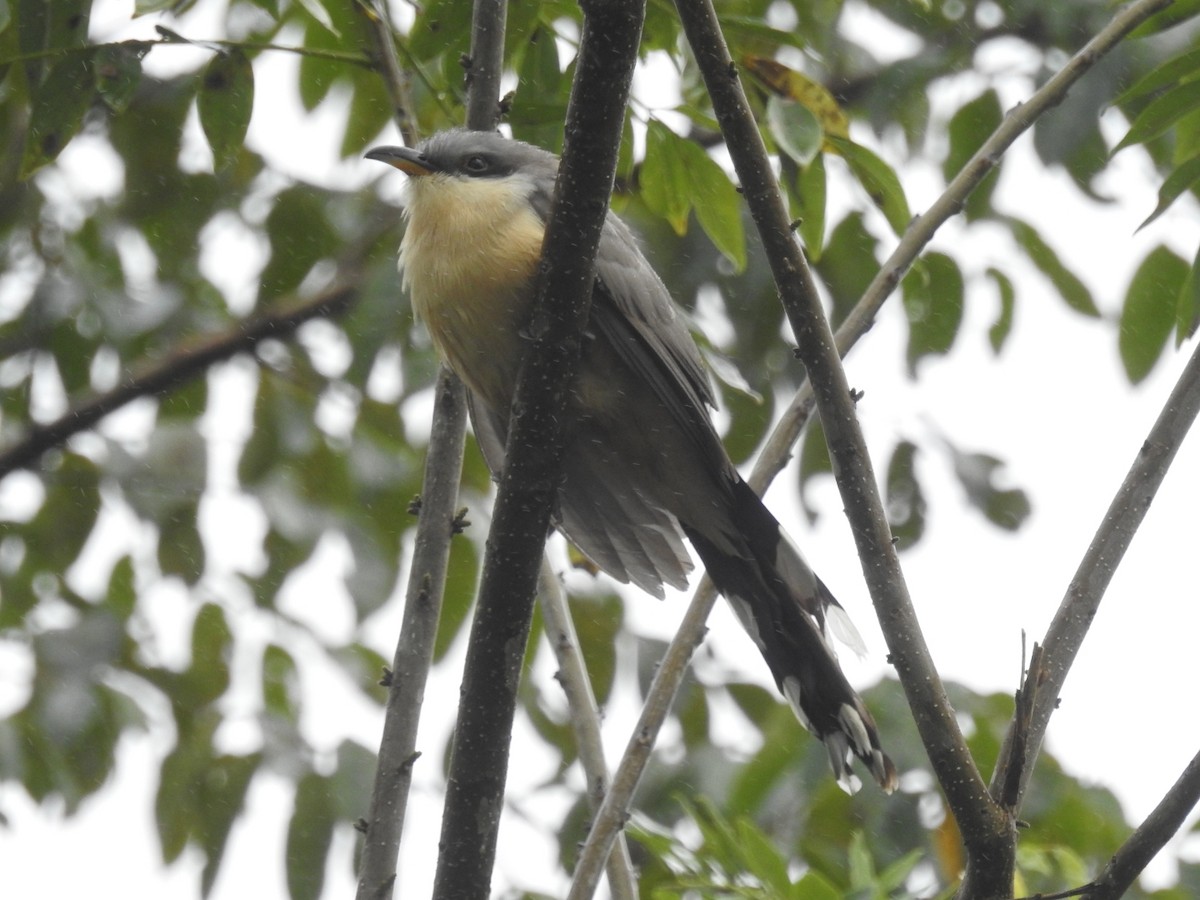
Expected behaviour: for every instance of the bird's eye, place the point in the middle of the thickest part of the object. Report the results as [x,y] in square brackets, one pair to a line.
[476,164]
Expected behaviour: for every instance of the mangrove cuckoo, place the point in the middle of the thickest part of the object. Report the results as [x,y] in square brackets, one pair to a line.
[644,466]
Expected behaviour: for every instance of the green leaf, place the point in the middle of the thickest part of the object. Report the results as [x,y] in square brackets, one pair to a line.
[300,234]
[664,180]
[1001,328]
[1187,311]
[848,264]
[310,833]
[1161,113]
[969,127]
[280,684]
[905,500]
[118,69]
[1150,311]
[1177,12]
[809,196]
[224,784]
[977,472]
[795,129]
[934,295]
[878,179]
[1173,70]
[717,203]
[5,16]
[814,460]
[212,650]
[1074,291]
[320,14]
[598,622]
[225,102]
[1184,177]
[57,110]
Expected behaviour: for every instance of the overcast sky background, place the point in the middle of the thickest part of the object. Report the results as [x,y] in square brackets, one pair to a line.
[1055,407]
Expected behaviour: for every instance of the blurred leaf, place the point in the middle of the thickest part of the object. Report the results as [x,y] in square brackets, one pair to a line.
[352,780]
[310,832]
[300,234]
[180,547]
[794,85]
[848,264]
[370,113]
[976,472]
[1184,177]
[905,500]
[1001,328]
[1187,311]
[598,622]
[225,102]
[1161,113]
[462,576]
[934,296]
[971,125]
[1177,12]
[1074,291]
[809,195]
[316,9]
[280,684]
[878,179]
[814,460]
[118,69]
[224,784]
[665,180]
[1174,70]
[795,129]
[56,114]
[1150,310]
[207,677]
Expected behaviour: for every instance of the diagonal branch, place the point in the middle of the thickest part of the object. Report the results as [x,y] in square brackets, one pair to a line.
[533,455]
[1141,847]
[1121,522]
[189,361]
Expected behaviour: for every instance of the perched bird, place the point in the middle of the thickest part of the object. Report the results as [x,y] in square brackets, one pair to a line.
[644,466]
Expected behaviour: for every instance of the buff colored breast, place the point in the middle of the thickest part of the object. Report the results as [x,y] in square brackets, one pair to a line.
[474,300]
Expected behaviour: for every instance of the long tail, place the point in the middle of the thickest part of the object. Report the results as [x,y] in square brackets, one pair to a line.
[787,610]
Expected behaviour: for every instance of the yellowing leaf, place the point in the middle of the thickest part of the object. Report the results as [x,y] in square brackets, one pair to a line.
[789,83]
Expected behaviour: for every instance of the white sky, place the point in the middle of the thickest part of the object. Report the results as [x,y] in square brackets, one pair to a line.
[1055,408]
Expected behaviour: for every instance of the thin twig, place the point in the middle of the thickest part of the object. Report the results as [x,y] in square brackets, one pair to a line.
[585,719]
[187,362]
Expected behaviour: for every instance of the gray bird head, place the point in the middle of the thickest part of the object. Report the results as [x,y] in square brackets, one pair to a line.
[462,154]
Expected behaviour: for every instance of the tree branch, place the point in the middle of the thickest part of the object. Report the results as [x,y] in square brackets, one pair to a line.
[1121,522]
[533,455]
[388,65]
[185,363]
[1142,846]
[585,719]
[985,827]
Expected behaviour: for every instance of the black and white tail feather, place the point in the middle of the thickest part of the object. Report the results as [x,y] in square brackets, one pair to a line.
[790,615]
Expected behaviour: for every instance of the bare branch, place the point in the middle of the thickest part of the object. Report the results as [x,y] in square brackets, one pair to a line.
[414,650]
[1121,522]
[533,457]
[585,719]
[1135,854]
[186,363]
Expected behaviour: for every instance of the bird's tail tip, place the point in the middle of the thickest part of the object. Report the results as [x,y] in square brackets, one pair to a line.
[856,737]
